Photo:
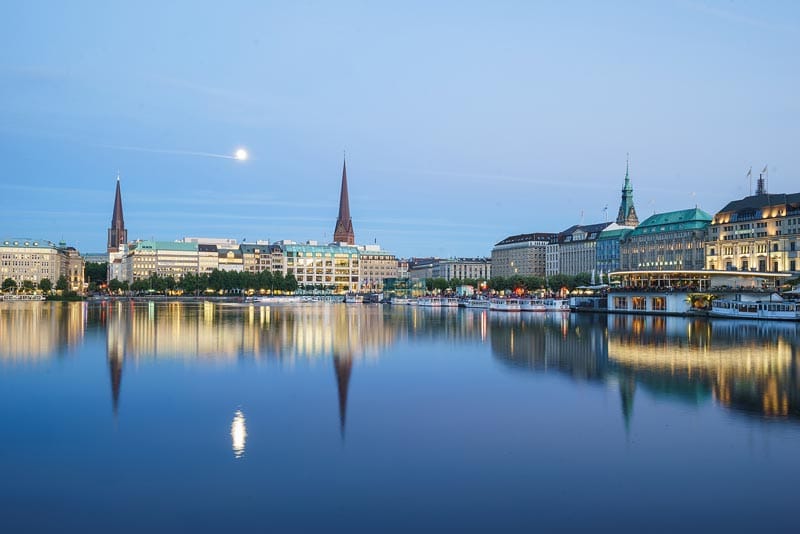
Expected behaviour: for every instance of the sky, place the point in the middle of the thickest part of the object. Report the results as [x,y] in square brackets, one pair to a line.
[463,122]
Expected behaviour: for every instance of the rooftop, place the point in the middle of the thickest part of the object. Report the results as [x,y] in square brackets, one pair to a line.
[672,221]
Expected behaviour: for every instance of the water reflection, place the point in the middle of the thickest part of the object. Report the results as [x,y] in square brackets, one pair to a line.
[238,434]
[749,367]
[40,330]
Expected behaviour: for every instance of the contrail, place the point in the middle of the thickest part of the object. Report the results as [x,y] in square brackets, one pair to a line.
[167,151]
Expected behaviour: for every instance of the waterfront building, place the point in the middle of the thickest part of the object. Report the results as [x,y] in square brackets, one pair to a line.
[552,256]
[330,266]
[627,213]
[343,232]
[73,266]
[32,260]
[421,268]
[207,258]
[230,259]
[577,248]
[608,247]
[666,241]
[760,232]
[680,291]
[376,266]
[257,257]
[461,268]
[402,268]
[522,254]
[162,258]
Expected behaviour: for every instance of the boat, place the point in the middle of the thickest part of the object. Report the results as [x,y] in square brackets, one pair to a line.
[402,301]
[506,305]
[429,302]
[532,305]
[280,299]
[22,297]
[561,305]
[353,298]
[449,302]
[476,303]
[787,310]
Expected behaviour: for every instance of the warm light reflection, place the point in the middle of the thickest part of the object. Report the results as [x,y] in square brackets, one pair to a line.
[238,434]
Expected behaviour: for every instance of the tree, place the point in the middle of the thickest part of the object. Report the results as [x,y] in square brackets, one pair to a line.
[9,284]
[61,283]
[28,285]
[115,285]
[96,272]
[45,285]
[290,283]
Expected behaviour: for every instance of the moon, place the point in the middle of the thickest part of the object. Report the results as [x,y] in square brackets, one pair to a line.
[241,154]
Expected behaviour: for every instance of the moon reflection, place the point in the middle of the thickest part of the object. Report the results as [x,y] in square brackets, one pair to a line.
[238,434]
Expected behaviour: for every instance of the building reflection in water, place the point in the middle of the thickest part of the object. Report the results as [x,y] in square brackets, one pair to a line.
[232,332]
[748,366]
[238,434]
[31,331]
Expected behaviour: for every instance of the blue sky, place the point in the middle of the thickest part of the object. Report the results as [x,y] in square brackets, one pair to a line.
[463,122]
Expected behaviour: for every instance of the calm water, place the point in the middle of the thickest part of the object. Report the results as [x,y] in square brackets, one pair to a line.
[336,417]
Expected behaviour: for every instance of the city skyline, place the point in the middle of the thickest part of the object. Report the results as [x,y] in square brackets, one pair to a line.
[462,124]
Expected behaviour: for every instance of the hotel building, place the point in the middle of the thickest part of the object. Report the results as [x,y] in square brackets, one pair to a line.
[666,241]
[523,254]
[760,232]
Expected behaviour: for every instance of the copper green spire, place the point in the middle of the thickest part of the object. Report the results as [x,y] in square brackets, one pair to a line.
[627,213]
[343,232]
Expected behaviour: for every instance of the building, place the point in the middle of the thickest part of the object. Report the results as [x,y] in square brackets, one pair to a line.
[73,267]
[522,254]
[577,248]
[333,267]
[33,260]
[666,241]
[343,232]
[757,233]
[608,247]
[627,213]
[162,258]
[376,266]
[462,268]
[421,268]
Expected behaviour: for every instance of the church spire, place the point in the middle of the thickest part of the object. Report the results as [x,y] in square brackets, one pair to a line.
[627,213]
[343,233]
[117,234]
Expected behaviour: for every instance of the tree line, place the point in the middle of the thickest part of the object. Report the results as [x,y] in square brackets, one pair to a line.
[217,280]
[511,283]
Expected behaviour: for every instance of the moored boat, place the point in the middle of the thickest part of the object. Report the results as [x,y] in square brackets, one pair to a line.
[787,310]
[532,305]
[561,305]
[476,303]
[507,305]
[353,298]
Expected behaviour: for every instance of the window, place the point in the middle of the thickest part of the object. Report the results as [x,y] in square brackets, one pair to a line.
[639,303]
[659,303]
[621,303]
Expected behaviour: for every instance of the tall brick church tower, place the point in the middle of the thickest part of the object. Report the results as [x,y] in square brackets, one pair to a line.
[343,233]
[117,234]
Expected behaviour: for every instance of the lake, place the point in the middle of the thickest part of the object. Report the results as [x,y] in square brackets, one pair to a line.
[318,417]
